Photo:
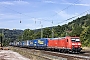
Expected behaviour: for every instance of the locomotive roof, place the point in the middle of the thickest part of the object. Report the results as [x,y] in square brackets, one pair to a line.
[57,38]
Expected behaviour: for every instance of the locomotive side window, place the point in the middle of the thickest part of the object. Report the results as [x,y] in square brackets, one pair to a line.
[67,40]
[75,39]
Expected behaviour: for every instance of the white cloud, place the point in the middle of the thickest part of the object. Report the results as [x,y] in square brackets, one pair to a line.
[65,16]
[68,17]
[80,4]
[1,14]
[9,16]
[64,1]
[32,26]
[6,3]
[40,20]
[49,1]
[13,2]
[21,2]
[29,25]
[84,1]
[36,19]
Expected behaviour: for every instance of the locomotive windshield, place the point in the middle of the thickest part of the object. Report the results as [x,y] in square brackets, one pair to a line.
[75,39]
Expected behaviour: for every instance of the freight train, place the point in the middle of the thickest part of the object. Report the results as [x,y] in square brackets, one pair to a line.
[63,44]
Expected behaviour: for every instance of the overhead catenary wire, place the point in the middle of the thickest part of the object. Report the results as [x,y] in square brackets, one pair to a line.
[67,7]
[34,17]
[63,10]
[25,14]
[74,16]
[47,19]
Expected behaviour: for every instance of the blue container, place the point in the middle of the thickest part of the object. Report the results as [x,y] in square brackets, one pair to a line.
[42,43]
[35,42]
[32,43]
[39,43]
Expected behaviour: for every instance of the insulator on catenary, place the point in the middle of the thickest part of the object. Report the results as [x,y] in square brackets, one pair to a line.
[20,21]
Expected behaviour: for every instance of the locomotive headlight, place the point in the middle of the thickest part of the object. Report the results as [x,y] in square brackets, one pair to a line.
[79,44]
[73,44]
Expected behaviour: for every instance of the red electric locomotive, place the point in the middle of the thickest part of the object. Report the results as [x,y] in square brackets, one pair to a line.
[65,44]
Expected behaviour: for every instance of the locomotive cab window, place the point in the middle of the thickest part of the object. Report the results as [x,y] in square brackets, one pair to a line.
[75,39]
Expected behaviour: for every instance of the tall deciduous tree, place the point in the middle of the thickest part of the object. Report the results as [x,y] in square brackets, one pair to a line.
[76,31]
[47,32]
[27,34]
[85,36]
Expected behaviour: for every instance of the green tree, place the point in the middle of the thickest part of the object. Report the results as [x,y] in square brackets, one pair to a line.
[20,37]
[76,31]
[47,32]
[37,35]
[85,37]
[59,30]
[27,34]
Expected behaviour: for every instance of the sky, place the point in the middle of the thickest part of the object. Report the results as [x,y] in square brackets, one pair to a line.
[36,13]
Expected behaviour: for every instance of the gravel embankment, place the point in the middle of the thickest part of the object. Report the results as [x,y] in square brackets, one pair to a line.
[11,55]
[36,54]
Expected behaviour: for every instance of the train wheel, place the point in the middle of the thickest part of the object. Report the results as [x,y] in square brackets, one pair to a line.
[58,50]
[61,50]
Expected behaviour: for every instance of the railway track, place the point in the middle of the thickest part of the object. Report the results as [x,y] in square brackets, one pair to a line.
[49,55]
[69,56]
